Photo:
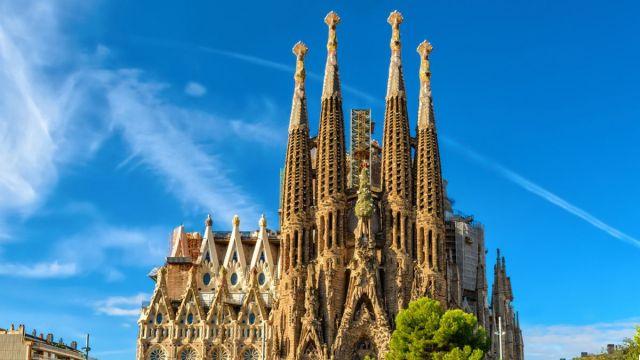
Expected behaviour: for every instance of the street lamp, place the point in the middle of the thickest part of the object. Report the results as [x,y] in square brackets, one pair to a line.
[86,348]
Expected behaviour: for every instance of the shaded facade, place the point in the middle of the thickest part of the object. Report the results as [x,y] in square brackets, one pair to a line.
[361,234]
[503,316]
[17,344]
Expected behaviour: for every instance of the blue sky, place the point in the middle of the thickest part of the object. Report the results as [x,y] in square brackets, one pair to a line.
[122,119]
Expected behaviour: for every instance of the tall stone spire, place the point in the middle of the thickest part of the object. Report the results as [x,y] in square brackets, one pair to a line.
[331,163]
[395,82]
[331,144]
[296,217]
[331,85]
[429,194]
[397,179]
[331,180]
[297,190]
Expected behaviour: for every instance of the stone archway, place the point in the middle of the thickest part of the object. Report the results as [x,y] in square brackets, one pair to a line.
[363,348]
[310,352]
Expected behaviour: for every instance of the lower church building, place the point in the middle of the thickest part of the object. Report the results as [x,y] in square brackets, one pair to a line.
[352,249]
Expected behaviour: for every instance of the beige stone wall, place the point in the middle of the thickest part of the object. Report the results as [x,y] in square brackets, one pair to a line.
[12,347]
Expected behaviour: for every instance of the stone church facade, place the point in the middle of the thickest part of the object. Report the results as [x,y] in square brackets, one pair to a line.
[347,257]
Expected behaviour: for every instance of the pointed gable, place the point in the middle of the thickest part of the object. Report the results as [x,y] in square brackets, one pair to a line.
[191,309]
[208,252]
[159,303]
[220,312]
[262,252]
[235,249]
[253,300]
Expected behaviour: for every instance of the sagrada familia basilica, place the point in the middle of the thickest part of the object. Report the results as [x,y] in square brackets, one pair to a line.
[362,233]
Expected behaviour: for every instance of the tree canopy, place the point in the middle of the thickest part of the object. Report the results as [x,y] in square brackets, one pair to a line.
[629,350]
[425,331]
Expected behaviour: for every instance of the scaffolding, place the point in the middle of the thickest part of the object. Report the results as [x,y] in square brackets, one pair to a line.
[361,129]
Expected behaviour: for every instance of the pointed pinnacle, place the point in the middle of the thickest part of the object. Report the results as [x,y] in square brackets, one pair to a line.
[300,50]
[424,49]
[332,19]
[395,19]
[208,221]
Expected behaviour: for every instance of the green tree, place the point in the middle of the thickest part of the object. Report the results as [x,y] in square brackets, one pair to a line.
[629,350]
[633,345]
[425,331]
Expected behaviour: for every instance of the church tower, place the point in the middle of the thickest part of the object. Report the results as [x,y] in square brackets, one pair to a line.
[503,316]
[430,272]
[329,284]
[296,220]
[331,203]
[397,182]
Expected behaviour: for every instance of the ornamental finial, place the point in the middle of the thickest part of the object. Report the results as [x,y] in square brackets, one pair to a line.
[300,50]
[263,221]
[332,20]
[395,19]
[424,49]
[209,221]
[236,220]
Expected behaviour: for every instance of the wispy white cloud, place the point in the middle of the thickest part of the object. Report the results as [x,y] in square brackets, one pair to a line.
[53,87]
[113,248]
[121,305]
[284,67]
[41,270]
[26,147]
[195,89]
[260,131]
[544,342]
[101,248]
[541,192]
[158,134]
[39,111]
[263,129]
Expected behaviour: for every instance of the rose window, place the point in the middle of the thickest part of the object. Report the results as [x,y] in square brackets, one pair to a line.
[220,354]
[157,354]
[250,354]
[188,354]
